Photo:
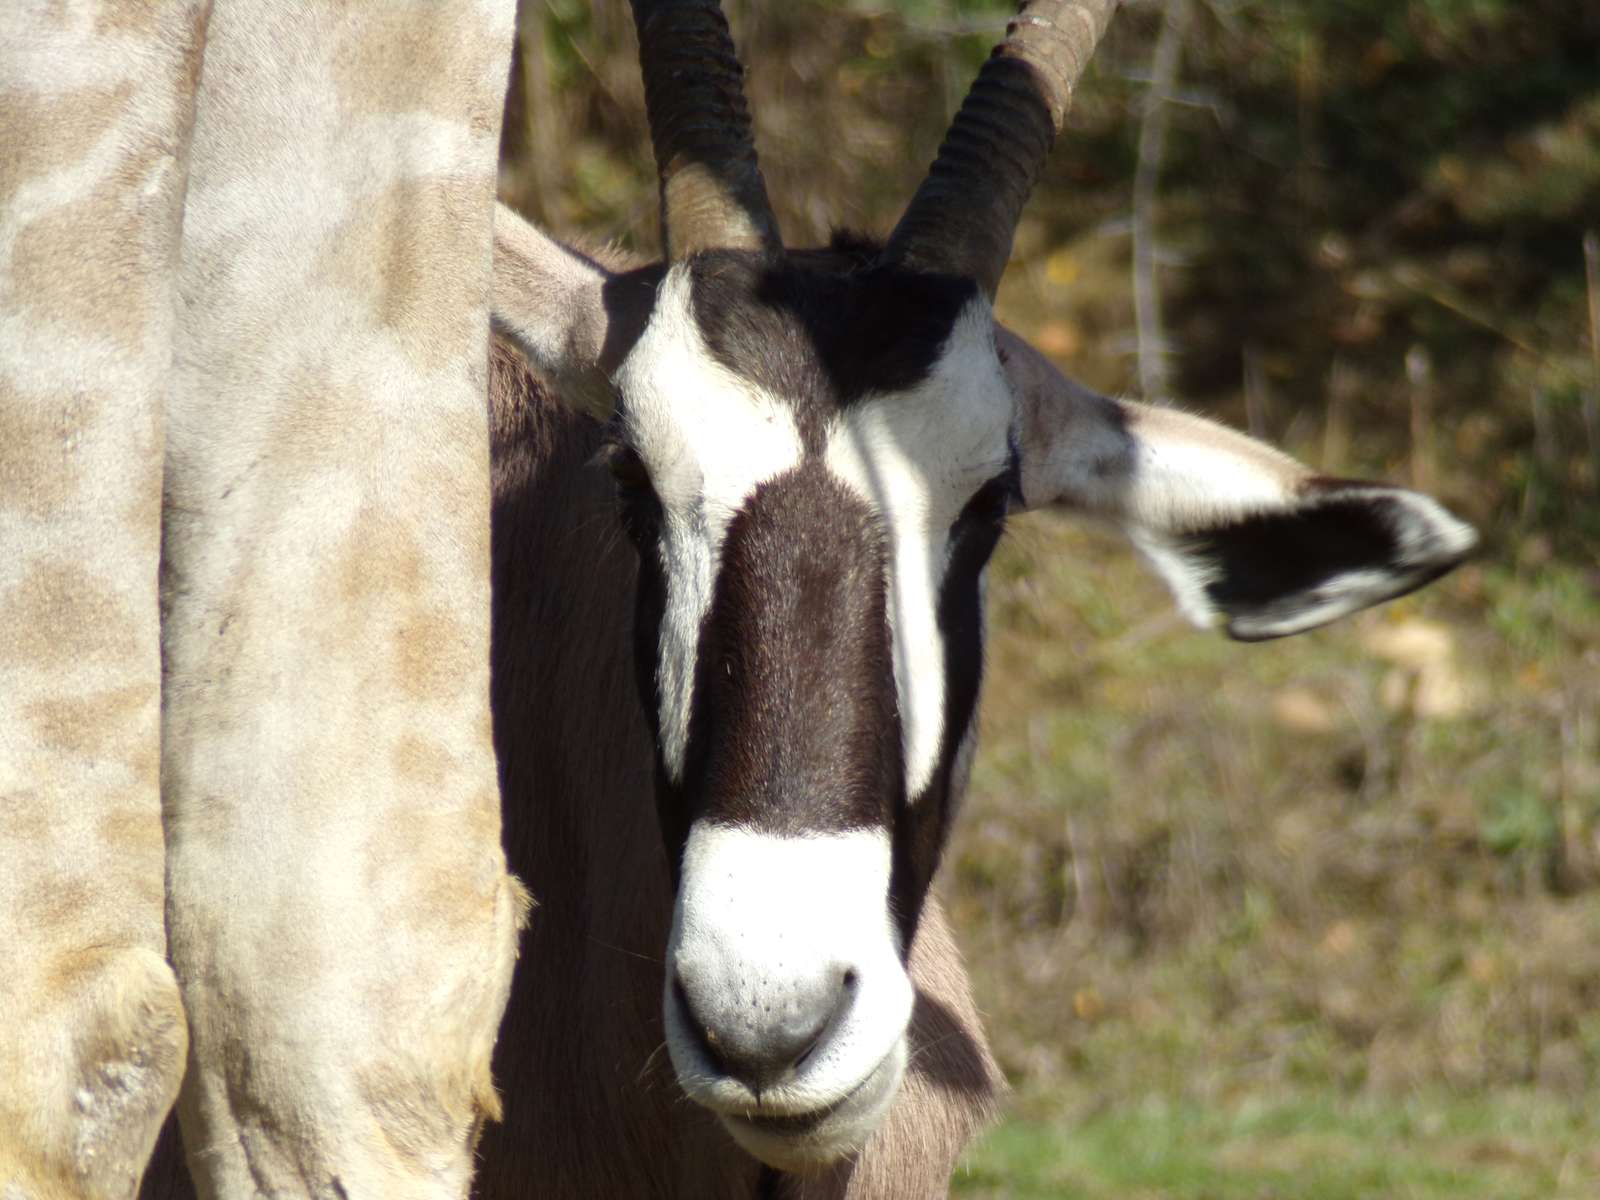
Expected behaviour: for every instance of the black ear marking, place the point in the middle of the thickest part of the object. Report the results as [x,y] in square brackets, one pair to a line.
[1260,559]
[1344,547]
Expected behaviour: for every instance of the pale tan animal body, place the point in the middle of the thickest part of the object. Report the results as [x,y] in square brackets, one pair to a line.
[244,262]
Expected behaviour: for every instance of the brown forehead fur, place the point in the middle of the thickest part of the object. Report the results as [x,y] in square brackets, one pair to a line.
[796,726]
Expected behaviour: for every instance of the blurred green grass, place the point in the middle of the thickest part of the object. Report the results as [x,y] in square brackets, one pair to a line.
[1523,1147]
[1311,918]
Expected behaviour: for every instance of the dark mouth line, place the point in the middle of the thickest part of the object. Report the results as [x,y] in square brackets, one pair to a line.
[799,1123]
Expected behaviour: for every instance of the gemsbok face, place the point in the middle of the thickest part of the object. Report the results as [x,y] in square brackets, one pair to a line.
[815,454]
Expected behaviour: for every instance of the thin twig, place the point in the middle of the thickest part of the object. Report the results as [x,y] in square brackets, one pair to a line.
[1591,396]
[1413,278]
[588,63]
[1342,387]
[1419,373]
[537,185]
[1256,397]
[1153,347]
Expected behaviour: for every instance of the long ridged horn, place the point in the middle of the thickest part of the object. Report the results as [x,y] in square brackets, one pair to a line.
[962,218]
[712,194]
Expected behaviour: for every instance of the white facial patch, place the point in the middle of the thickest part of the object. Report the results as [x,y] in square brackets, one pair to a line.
[917,458]
[709,439]
[758,918]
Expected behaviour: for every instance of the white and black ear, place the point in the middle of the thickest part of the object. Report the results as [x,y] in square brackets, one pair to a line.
[1241,533]
[1333,547]
[551,301]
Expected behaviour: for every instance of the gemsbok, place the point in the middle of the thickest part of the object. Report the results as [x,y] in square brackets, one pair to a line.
[743,503]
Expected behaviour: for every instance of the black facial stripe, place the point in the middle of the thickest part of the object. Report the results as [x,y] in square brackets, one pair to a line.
[923,824]
[649,608]
[991,502]
[820,330]
[794,723]
[795,726]
[640,512]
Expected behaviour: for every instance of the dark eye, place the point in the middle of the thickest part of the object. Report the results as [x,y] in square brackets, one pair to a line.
[627,468]
[637,504]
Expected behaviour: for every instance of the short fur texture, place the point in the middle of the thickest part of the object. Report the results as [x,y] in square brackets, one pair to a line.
[790,526]
[249,829]
[591,1106]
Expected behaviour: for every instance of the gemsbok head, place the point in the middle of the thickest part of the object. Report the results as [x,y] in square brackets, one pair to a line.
[815,453]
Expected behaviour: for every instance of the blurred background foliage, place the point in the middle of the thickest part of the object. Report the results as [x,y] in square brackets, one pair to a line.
[1310,918]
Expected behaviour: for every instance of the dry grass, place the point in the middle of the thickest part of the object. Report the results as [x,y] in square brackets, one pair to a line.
[1364,858]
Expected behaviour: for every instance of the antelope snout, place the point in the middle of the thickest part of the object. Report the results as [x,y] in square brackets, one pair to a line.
[786,1000]
[759,1030]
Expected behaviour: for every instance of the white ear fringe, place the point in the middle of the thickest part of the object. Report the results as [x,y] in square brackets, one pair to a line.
[1428,541]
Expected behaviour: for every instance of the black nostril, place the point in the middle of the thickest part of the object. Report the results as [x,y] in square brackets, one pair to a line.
[814,1041]
[763,1042]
